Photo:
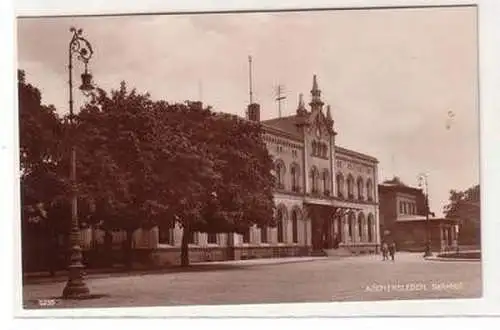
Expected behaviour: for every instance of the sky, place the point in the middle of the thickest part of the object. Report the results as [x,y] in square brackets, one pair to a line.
[391,76]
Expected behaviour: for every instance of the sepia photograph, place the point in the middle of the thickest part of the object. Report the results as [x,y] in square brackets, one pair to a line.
[249,157]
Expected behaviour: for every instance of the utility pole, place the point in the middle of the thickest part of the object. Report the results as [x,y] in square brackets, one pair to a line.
[280,97]
[423,182]
[250,78]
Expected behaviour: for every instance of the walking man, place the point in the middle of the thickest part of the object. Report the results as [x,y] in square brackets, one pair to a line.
[392,250]
[385,248]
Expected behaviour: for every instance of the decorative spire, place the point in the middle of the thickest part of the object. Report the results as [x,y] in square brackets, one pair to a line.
[316,102]
[315,84]
[328,113]
[301,110]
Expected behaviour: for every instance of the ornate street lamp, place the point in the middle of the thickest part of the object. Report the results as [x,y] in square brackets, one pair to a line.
[75,287]
[422,181]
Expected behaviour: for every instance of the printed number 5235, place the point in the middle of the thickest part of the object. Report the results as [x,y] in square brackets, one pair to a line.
[46,302]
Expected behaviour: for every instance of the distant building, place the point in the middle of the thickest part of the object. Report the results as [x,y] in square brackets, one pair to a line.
[403,219]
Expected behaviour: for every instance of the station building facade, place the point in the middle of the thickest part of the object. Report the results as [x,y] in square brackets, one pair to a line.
[326,198]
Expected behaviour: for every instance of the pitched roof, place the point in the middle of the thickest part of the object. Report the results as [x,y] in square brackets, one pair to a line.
[395,181]
[285,124]
[349,152]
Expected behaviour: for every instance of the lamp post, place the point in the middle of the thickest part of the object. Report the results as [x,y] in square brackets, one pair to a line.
[75,287]
[422,180]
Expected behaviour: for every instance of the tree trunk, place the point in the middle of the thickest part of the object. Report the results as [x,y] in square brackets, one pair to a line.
[185,246]
[230,246]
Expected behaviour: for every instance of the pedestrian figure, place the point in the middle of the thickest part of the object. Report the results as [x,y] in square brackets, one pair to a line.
[392,250]
[385,249]
[336,241]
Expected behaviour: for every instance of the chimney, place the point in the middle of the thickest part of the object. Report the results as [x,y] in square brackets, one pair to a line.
[254,112]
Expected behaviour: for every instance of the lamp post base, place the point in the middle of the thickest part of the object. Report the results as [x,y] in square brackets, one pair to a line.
[76,291]
[75,287]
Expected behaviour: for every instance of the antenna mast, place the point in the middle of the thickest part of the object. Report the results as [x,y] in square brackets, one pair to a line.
[250,78]
[280,97]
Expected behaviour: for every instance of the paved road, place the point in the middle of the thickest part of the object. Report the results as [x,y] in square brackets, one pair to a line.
[362,278]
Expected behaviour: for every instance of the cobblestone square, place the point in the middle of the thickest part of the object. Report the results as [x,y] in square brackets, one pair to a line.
[362,278]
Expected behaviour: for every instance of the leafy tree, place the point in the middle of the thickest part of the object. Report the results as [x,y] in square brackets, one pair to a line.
[142,163]
[239,192]
[149,162]
[40,141]
[138,165]
[465,206]
[43,184]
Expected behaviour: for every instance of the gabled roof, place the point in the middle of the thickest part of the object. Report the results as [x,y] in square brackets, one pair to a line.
[285,124]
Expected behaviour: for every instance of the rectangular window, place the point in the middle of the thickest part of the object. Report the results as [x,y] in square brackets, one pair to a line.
[212,238]
[191,237]
[166,234]
[246,236]
[263,234]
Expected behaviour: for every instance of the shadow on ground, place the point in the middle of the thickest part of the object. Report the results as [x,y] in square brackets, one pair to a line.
[122,272]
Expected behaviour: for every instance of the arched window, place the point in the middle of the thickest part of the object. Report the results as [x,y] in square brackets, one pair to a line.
[350,225]
[326,182]
[314,180]
[280,224]
[360,188]
[314,148]
[280,173]
[361,219]
[370,227]
[340,228]
[295,174]
[295,226]
[340,185]
[369,190]
[350,187]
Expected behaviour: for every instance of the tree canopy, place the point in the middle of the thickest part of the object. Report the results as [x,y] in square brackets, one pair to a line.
[142,162]
[466,206]
[41,151]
